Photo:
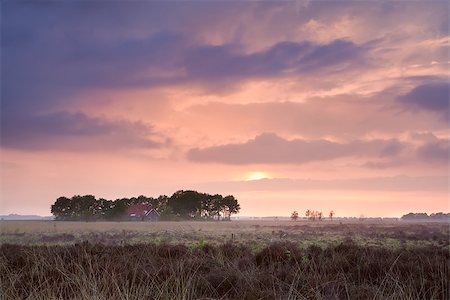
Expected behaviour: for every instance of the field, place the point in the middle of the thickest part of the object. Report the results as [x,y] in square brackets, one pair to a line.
[224,260]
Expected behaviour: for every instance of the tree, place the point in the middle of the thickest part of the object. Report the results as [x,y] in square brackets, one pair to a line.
[186,204]
[84,207]
[294,215]
[142,200]
[319,215]
[118,209]
[166,214]
[62,208]
[182,204]
[212,206]
[308,214]
[217,206]
[415,216]
[230,206]
[160,203]
[440,216]
[103,208]
[331,215]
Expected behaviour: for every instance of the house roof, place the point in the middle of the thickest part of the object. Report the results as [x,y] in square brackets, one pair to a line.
[139,210]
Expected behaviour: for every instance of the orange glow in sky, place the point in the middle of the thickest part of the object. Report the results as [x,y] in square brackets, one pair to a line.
[256,176]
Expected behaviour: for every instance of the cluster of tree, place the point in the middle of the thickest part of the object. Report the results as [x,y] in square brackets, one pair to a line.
[424,216]
[181,205]
[312,215]
[192,204]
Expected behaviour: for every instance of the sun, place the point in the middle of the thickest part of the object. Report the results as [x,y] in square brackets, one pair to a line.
[256,176]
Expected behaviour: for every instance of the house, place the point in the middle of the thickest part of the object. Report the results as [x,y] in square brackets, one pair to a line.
[142,212]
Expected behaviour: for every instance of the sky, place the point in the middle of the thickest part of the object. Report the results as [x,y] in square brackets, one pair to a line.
[287,105]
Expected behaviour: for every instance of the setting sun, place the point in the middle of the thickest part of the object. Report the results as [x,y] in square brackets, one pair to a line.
[256,176]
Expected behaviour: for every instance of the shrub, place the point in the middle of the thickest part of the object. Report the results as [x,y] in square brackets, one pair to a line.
[228,271]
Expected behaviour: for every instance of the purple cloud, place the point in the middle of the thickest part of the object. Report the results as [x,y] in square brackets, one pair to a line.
[74,131]
[42,70]
[285,58]
[269,148]
[430,97]
[53,52]
[437,151]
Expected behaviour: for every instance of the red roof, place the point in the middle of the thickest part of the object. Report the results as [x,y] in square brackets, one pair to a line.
[138,210]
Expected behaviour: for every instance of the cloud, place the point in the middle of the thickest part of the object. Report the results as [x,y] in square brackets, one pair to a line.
[51,66]
[55,53]
[46,66]
[74,132]
[342,116]
[163,58]
[433,97]
[423,136]
[384,164]
[435,151]
[225,62]
[393,183]
[268,148]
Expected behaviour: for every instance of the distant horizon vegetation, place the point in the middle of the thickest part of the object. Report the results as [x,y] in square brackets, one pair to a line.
[182,205]
[438,216]
[186,205]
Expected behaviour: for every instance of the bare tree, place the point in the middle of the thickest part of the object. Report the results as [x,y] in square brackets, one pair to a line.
[308,214]
[331,215]
[294,215]
[319,215]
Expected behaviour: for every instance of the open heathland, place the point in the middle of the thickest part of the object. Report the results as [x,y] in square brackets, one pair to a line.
[252,233]
[224,260]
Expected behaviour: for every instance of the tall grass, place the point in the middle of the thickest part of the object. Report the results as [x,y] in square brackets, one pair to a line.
[228,271]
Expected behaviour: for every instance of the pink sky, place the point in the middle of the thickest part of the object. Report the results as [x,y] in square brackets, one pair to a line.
[340,106]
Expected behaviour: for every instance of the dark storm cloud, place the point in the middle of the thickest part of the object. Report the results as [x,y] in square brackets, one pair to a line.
[430,97]
[74,131]
[269,148]
[52,53]
[224,62]
[73,64]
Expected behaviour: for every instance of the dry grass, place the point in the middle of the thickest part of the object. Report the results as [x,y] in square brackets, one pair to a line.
[229,271]
[261,232]
[224,260]
[208,226]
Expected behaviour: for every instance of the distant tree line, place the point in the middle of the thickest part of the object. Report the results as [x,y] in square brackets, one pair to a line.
[440,216]
[181,205]
[312,215]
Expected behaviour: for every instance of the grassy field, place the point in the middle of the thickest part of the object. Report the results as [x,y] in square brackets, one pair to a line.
[387,234]
[224,260]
